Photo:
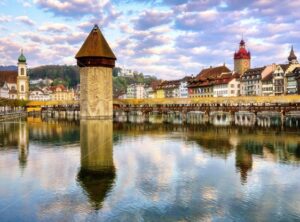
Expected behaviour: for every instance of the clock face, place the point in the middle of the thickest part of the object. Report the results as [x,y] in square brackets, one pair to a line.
[246,63]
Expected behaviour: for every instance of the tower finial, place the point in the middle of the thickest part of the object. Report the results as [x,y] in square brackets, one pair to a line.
[292,57]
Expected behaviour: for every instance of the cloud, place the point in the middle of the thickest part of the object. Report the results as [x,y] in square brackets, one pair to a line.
[5,18]
[197,20]
[73,8]
[152,18]
[26,20]
[157,36]
[54,27]
[25,3]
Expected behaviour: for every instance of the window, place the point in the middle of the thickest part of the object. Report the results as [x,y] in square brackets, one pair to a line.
[22,88]
[22,71]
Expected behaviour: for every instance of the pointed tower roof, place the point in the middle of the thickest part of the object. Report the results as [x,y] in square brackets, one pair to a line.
[292,55]
[242,53]
[22,58]
[95,51]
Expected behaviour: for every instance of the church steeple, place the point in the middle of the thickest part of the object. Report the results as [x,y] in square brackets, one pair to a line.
[22,79]
[292,57]
[22,58]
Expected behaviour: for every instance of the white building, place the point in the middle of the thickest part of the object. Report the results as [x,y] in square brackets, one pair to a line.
[150,92]
[234,87]
[267,80]
[227,84]
[126,72]
[135,91]
[4,90]
[278,79]
[290,82]
[36,81]
[183,89]
[39,95]
[251,82]
[122,96]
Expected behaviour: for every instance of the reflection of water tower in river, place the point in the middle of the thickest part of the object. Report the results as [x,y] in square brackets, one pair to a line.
[243,162]
[96,60]
[23,143]
[97,171]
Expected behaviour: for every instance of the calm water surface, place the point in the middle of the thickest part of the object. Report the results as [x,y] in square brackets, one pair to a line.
[98,171]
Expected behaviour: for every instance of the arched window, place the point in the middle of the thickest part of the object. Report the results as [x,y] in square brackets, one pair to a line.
[22,88]
[22,71]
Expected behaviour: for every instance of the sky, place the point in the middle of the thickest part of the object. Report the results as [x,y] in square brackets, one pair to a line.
[165,38]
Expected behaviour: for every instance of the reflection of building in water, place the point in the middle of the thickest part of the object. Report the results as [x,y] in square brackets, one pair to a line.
[23,143]
[8,134]
[97,171]
[243,162]
[14,135]
[53,130]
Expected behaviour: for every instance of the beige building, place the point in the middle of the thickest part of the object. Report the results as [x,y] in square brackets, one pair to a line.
[59,93]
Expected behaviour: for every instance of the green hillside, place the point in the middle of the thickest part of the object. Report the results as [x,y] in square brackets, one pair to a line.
[69,76]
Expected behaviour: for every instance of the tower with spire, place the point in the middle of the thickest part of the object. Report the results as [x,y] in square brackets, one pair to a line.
[22,79]
[242,58]
[292,57]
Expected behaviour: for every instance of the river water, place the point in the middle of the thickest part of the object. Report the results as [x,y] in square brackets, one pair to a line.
[92,170]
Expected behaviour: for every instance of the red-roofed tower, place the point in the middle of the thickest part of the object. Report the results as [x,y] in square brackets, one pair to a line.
[242,59]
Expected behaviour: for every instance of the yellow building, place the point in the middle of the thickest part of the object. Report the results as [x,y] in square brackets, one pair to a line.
[60,93]
[160,93]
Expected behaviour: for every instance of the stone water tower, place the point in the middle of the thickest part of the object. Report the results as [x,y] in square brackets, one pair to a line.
[96,61]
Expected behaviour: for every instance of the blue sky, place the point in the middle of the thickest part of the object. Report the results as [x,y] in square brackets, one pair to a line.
[166,38]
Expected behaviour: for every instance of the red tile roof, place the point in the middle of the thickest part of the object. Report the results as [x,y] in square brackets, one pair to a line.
[169,84]
[268,77]
[242,53]
[225,78]
[8,76]
[55,88]
[212,72]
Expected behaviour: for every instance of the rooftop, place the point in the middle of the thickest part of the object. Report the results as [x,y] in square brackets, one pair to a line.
[212,72]
[95,45]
